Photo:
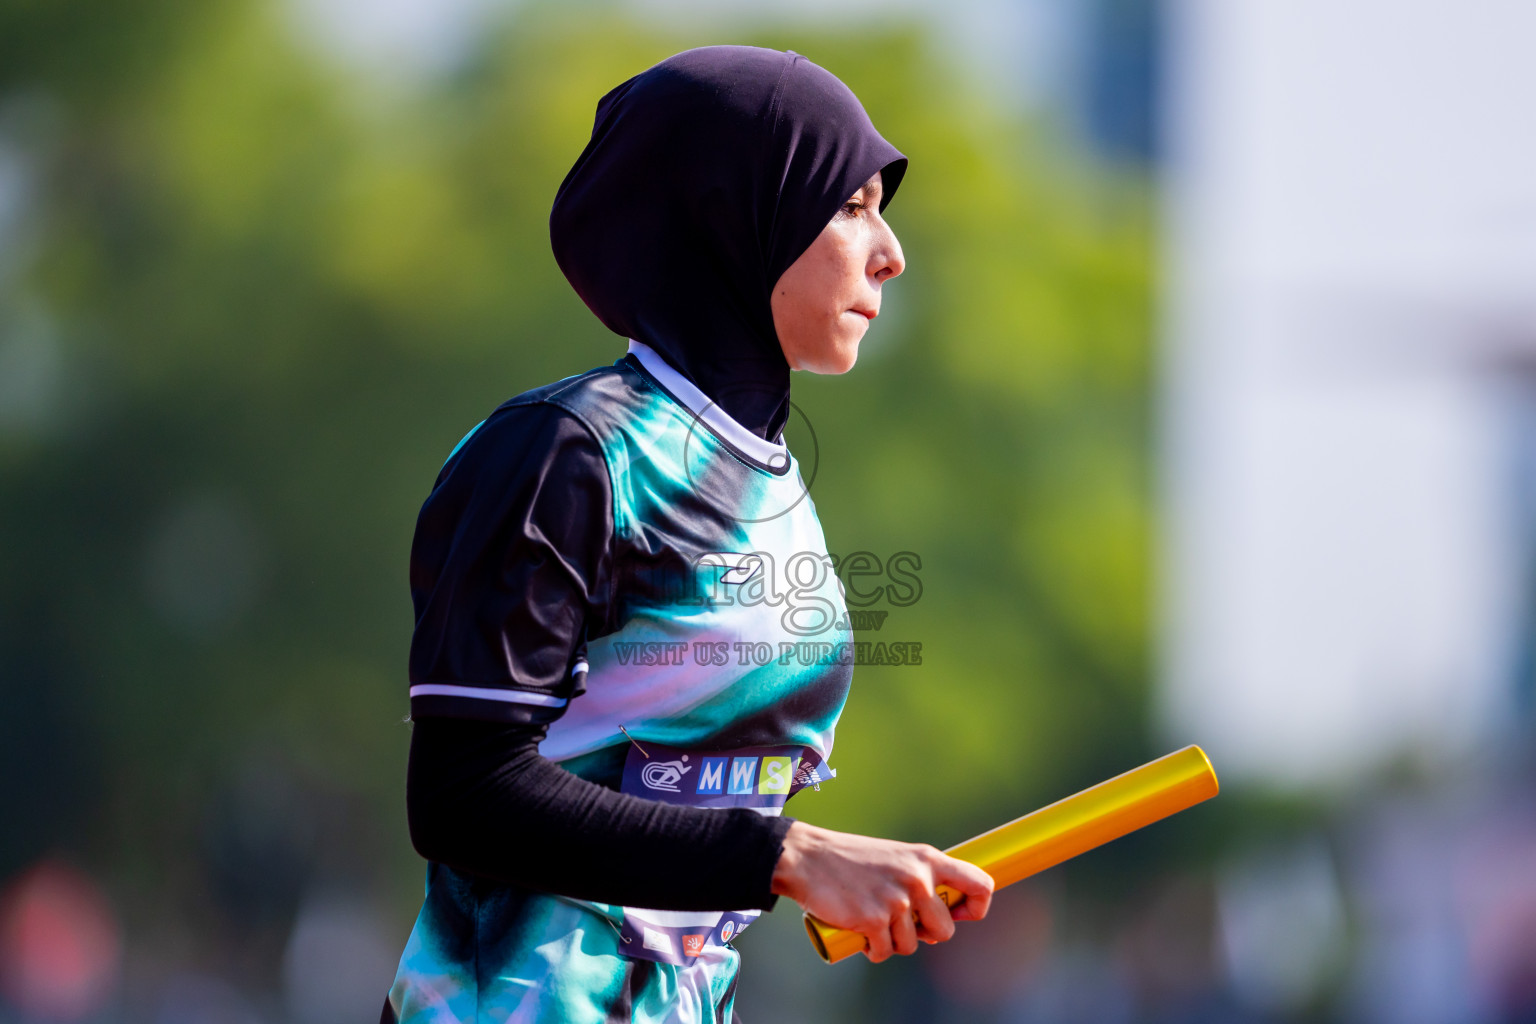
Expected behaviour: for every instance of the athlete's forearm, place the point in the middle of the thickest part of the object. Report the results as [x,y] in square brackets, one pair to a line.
[481,799]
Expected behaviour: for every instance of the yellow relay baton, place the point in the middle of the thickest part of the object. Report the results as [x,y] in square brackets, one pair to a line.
[1044,838]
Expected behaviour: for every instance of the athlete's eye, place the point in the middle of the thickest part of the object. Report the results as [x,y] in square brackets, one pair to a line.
[852,207]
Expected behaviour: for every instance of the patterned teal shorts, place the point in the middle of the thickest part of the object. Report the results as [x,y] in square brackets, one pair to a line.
[486,952]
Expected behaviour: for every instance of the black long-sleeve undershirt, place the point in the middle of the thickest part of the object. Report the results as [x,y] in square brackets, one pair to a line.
[481,799]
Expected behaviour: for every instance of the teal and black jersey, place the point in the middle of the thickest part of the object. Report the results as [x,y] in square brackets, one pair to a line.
[731,629]
[716,573]
[716,661]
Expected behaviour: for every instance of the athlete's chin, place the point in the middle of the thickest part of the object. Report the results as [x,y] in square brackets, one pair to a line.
[841,351]
[849,359]
[829,351]
[837,360]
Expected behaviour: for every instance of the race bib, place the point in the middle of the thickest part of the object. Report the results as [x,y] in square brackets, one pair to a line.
[761,778]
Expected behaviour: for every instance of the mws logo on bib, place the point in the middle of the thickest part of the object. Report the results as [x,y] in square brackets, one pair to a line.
[745,776]
[761,777]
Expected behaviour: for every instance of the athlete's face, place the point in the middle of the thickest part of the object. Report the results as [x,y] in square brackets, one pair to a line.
[824,302]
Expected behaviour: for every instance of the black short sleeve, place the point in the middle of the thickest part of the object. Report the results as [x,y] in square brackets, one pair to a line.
[510,566]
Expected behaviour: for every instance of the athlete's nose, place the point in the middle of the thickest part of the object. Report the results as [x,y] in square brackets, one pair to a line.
[888,260]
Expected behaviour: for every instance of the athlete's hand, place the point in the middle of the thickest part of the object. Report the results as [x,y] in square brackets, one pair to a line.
[873,886]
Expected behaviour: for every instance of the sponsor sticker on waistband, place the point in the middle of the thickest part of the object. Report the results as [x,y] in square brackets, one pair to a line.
[658,940]
[680,938]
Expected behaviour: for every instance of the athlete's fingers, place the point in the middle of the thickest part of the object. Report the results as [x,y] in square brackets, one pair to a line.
[934,923]
[904,929]
[879,947]
[974,884]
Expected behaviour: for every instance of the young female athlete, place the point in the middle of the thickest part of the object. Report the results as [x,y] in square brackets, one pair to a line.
[630,648]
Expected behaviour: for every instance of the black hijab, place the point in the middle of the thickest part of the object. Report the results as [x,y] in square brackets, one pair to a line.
[706,177]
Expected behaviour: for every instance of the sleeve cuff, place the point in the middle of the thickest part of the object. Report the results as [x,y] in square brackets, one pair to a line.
[485,703]
[778,828]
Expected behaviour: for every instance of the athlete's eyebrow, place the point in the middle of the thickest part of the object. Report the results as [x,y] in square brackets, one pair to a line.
[871,190]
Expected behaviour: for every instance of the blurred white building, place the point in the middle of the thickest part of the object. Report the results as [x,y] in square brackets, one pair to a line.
[1349,369]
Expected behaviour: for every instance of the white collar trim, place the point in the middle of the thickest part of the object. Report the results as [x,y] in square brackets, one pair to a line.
[773,457]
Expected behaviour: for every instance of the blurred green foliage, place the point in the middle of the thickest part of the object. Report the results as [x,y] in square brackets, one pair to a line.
[261,297]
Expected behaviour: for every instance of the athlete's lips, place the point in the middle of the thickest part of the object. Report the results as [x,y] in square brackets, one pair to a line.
[869,313]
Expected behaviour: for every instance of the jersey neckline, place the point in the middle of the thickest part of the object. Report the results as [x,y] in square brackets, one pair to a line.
[769,456]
